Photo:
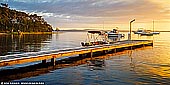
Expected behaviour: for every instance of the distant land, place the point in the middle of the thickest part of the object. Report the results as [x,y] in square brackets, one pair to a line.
[85,30]
[17,21]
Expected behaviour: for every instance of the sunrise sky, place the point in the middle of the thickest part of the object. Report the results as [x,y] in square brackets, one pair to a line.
[96,14]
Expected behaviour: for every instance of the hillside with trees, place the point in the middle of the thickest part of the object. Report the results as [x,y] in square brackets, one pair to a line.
[14,21]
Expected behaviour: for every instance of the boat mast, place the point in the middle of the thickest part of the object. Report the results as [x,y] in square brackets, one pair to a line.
[153,25]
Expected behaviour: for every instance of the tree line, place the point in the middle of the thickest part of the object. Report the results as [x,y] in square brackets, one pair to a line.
[14,21]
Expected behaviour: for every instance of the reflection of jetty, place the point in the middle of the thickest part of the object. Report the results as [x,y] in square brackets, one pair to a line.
[40,68]
[81,51]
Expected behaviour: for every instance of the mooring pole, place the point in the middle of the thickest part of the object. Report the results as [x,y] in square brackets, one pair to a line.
[44,61]
[130,35]
[53,61]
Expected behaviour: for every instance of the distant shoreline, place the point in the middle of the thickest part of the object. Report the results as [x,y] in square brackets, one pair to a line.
[53,32]
[2,33]
[95,29]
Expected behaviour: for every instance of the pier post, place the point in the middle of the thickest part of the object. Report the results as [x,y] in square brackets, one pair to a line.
[115,50]
[152,44]
[53,61]
[44,61]
[82,55]
[91,53]
[131,47]
[104,52]
[130,37]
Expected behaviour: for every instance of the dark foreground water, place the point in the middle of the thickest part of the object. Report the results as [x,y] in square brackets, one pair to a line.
[148,65]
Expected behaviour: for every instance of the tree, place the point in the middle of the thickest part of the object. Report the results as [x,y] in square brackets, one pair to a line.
[12,20]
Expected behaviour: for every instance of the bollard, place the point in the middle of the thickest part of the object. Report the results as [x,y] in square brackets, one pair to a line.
[129,36]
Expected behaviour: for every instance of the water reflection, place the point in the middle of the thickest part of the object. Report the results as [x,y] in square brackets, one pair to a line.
[148,65]
[132,63]
[124,66]
[92,63]
[38,69]
[96,64]
[12,44]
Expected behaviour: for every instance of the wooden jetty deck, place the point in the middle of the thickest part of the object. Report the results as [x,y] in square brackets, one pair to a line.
[88,51]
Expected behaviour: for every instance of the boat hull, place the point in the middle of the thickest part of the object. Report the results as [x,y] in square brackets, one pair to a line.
[115,35]
[155,32]
[147,34]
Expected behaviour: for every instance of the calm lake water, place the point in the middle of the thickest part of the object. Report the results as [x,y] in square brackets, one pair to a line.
[148,65]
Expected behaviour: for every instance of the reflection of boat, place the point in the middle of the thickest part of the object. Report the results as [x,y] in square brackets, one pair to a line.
[95,38]
[96,62]
[115,33]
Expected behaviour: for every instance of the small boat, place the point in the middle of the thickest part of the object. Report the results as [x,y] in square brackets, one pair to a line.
[95,38]
[146,33]
[155,32]
[139,31]
[115,33]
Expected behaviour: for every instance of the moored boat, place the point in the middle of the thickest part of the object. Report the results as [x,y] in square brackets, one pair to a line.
[95,38]
[147,33]
[115,33]
[139,31]
[155,32]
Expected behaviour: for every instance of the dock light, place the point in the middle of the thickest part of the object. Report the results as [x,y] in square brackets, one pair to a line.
[129,36]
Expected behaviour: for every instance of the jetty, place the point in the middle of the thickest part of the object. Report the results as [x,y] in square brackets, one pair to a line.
[84,51]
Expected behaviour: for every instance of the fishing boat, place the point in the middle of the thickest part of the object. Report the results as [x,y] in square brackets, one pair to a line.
[155,32]
[143,32]
[95,38]
[115,33]
[146,33]
[139,31]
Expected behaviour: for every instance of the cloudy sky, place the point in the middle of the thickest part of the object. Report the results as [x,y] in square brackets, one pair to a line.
[98,13]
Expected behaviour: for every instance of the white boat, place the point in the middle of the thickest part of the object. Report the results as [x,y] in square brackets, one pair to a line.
[139,31]
[115,33]
[95,38]
[145,32]
[155,32]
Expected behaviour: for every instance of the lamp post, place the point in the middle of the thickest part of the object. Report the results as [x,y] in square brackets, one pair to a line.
[129,37]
